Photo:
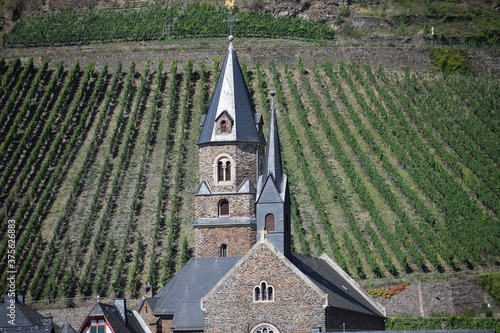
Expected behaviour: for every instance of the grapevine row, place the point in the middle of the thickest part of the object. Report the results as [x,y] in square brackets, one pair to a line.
[23,110]
[406,228]
[334,181]
[118,283]
[313,191]
[175,197]
[159,218]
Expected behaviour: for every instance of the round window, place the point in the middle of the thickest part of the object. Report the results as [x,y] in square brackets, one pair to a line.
[265,328]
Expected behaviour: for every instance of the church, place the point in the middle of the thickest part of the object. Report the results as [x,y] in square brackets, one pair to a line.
[244,276]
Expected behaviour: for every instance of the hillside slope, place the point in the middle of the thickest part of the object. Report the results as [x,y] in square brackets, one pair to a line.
[469,21]
[391,173]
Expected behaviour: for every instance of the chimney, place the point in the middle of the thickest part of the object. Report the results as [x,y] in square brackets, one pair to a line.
[47,321]
[20,299]
[121,306]
[9,298]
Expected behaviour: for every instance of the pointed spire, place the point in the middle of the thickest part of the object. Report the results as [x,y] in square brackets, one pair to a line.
[273,154]
[231,101]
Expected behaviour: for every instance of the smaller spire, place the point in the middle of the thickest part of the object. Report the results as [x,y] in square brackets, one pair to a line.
[273,164]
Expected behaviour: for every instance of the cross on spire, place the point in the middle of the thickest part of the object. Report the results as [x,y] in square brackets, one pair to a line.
[262,233]
[231,20]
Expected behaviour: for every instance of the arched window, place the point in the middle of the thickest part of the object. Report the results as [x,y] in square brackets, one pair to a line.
[223,169]
[224,123]
[256,293]
[269,223]
[228,171]
[224,208]
[263,292]
[220,171]
[270,295]
[223,250]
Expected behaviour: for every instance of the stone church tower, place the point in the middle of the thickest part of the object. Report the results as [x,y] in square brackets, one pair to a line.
[273,200]
[231,147]
[236,282]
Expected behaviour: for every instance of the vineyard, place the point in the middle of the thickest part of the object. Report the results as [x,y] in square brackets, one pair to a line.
[390,173]
[156,22]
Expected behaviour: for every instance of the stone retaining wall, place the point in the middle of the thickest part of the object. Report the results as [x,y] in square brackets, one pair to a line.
[484,60]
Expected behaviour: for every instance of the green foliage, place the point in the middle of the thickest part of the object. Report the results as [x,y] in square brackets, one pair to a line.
[450,60]
[491,283]
[401,19]
[452,322]
[345,12]
[156,22]
[351,31]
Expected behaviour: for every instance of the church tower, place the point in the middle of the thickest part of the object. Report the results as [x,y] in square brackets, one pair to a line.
[231,149]
[273,199]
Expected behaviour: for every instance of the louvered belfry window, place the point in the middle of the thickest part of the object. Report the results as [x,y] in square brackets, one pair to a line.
[220,171]
[224,208]
[269,222]
[223,126]
[228,171]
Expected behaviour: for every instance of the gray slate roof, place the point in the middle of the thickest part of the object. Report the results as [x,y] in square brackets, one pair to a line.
[67,328]
[273,164]
[181,295]
[27,319]
[115,319]
[231,96]
[341,293]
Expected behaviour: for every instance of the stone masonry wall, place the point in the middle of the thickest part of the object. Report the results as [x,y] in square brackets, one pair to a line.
[296,307]
[436,299]
[150,319]
[484,60]
[240,205]
[239,241]
[245,165]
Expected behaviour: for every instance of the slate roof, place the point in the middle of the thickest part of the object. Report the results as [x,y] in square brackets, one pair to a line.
[181,295]
[115,319]
[27,319]
[273,164]
[224,221]
[231,95]
[343,292]
[67,328]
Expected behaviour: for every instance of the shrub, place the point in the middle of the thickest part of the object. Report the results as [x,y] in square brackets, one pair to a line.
[450,60]
[491,283]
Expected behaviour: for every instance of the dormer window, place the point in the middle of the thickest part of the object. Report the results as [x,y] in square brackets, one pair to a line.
[224,123]
[264,292]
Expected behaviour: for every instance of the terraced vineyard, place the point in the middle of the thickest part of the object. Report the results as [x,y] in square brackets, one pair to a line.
[391,173]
